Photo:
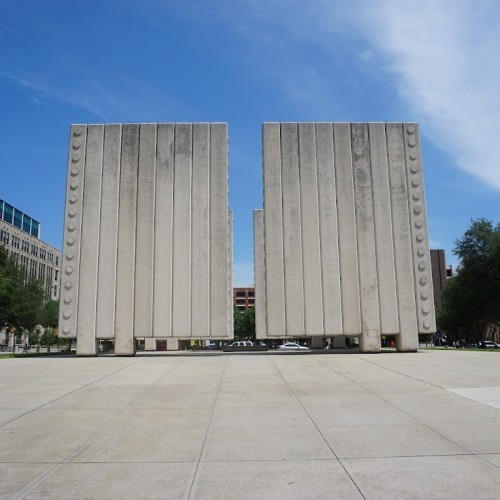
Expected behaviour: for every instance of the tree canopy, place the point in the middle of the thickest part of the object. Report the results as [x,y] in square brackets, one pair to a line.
[22,300]
[244,323]
[471,300]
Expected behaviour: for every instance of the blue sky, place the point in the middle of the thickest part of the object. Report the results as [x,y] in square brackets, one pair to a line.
[245,62]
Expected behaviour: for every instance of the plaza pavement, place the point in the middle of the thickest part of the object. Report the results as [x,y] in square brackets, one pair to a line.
[252,426]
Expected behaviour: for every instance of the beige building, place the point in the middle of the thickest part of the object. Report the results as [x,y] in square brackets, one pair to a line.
[20,234]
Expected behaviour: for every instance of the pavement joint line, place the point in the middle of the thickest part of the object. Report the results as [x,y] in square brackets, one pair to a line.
[318,429]
[208,428]
[469,452]
[68,393]
[58,464]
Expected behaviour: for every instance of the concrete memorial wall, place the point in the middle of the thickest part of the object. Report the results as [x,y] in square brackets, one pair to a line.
[341,247]
[147,246]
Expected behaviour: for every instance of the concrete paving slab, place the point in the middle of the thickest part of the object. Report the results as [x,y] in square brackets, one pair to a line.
[265,443]
[282,479]
[447,477]
[176,425]
[16,477]
[112,481]
[486,395]
[387,441]
[48,435]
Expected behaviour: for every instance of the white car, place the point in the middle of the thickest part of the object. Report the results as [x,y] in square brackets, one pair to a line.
[490,345]
[293,346]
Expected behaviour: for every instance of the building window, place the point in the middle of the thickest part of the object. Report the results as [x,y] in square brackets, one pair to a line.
[8,213]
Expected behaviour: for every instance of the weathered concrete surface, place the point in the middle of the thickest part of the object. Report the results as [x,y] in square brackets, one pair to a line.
[345,237]
[148,235]
[267,425]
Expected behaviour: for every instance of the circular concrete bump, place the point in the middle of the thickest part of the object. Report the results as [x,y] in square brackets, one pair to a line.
[421,266]
[415,183]
[426,309]
[410,129]
[68,299]
[72,212]
[413,155]
[73,199]
[69,269]
[74,185]
[70,255]
[420,251]
[419,237]
[77,144]
[427,324]
[414,169]
[66,329]
[77,131]
[71,227]
[75,171]
[68,285]
[418,223]
[424,295]
[412,142]
[75,158]
[416,196]
[417,210]
[70,240]
[67,314]
[423,280]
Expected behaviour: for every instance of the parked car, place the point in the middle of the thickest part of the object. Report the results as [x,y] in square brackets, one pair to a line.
[292,346]
[490,344]
[242,343]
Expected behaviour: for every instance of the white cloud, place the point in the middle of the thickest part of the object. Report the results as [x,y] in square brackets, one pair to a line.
[445,55]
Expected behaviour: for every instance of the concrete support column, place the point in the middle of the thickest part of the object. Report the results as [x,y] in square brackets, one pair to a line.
[317,342]
[149,344]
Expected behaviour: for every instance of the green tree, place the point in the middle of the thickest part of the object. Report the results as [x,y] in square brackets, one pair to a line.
[471,300]
[244,323]
[51,313]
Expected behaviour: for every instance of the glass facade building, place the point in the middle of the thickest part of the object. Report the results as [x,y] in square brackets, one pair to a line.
[19,219]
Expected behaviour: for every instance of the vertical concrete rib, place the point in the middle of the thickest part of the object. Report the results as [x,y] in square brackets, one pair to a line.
[292,238]
[124,318]
[365,229]
[311,251]
[273,228]
[230,319]
[68,312]
[351,324]
[408,338]
[108,235]
[200,232]
[418,223]
[89,253]
[260,274]
[332,307]
[144,252]
[181,292]
[162,294]
[219,242]
[389,323]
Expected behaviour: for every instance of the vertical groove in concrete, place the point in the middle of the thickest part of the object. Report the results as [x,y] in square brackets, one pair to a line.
[143,315]
[200,262]
[181,293]
[292,236]
[162,294]
[89,248]
[260,274]
[219,240]
[310,219]
[383,230]
[351,317]
[68,311]
[273,227]
[332,307]
[124,319]
[365,229]
[402,238]
[418,223]
[229,317]
[108,236]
